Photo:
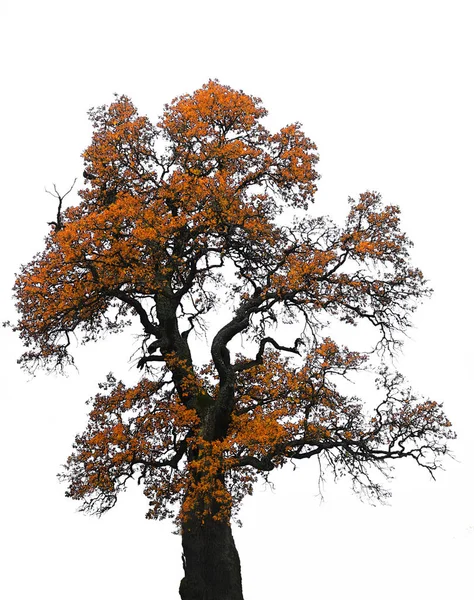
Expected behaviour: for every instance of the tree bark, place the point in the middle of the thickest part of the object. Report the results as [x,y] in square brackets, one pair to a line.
[211,562]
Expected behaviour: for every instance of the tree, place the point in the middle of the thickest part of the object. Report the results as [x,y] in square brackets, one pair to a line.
[208,212]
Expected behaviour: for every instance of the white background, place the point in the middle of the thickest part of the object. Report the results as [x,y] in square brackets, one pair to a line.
[385,90]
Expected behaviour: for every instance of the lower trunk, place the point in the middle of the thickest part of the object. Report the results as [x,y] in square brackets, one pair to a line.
[211,563]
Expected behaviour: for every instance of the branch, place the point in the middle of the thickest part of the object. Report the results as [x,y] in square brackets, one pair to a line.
[264,464]
[146,359]
[242,366]
[58,224]
[148,325]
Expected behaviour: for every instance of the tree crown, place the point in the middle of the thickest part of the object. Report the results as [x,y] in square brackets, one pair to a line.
[175,218]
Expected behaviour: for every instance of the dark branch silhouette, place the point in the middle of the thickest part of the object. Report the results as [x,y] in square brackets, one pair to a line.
[58,224]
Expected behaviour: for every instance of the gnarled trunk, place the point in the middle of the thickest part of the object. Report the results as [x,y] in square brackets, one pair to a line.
[211,562]
[210,559]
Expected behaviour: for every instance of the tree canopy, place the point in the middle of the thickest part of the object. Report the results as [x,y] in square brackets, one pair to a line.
[207,215]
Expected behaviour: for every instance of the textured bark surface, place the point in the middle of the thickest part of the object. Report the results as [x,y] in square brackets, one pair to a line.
[211,563]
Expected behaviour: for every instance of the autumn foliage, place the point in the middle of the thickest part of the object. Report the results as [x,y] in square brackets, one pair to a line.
[203,219]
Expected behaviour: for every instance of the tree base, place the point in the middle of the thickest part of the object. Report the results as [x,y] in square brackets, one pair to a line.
[211,563]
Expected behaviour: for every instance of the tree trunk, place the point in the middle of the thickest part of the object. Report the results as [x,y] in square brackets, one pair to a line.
[211,562]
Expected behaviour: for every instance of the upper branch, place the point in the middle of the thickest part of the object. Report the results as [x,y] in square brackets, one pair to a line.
[58,224]
[148,326]
[244,365]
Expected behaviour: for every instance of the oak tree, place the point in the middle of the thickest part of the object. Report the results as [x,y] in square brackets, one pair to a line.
[206,215]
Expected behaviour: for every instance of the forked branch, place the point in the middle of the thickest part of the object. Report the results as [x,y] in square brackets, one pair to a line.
[58,224]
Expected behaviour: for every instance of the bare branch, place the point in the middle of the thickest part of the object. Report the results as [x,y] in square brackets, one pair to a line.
[58,224]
